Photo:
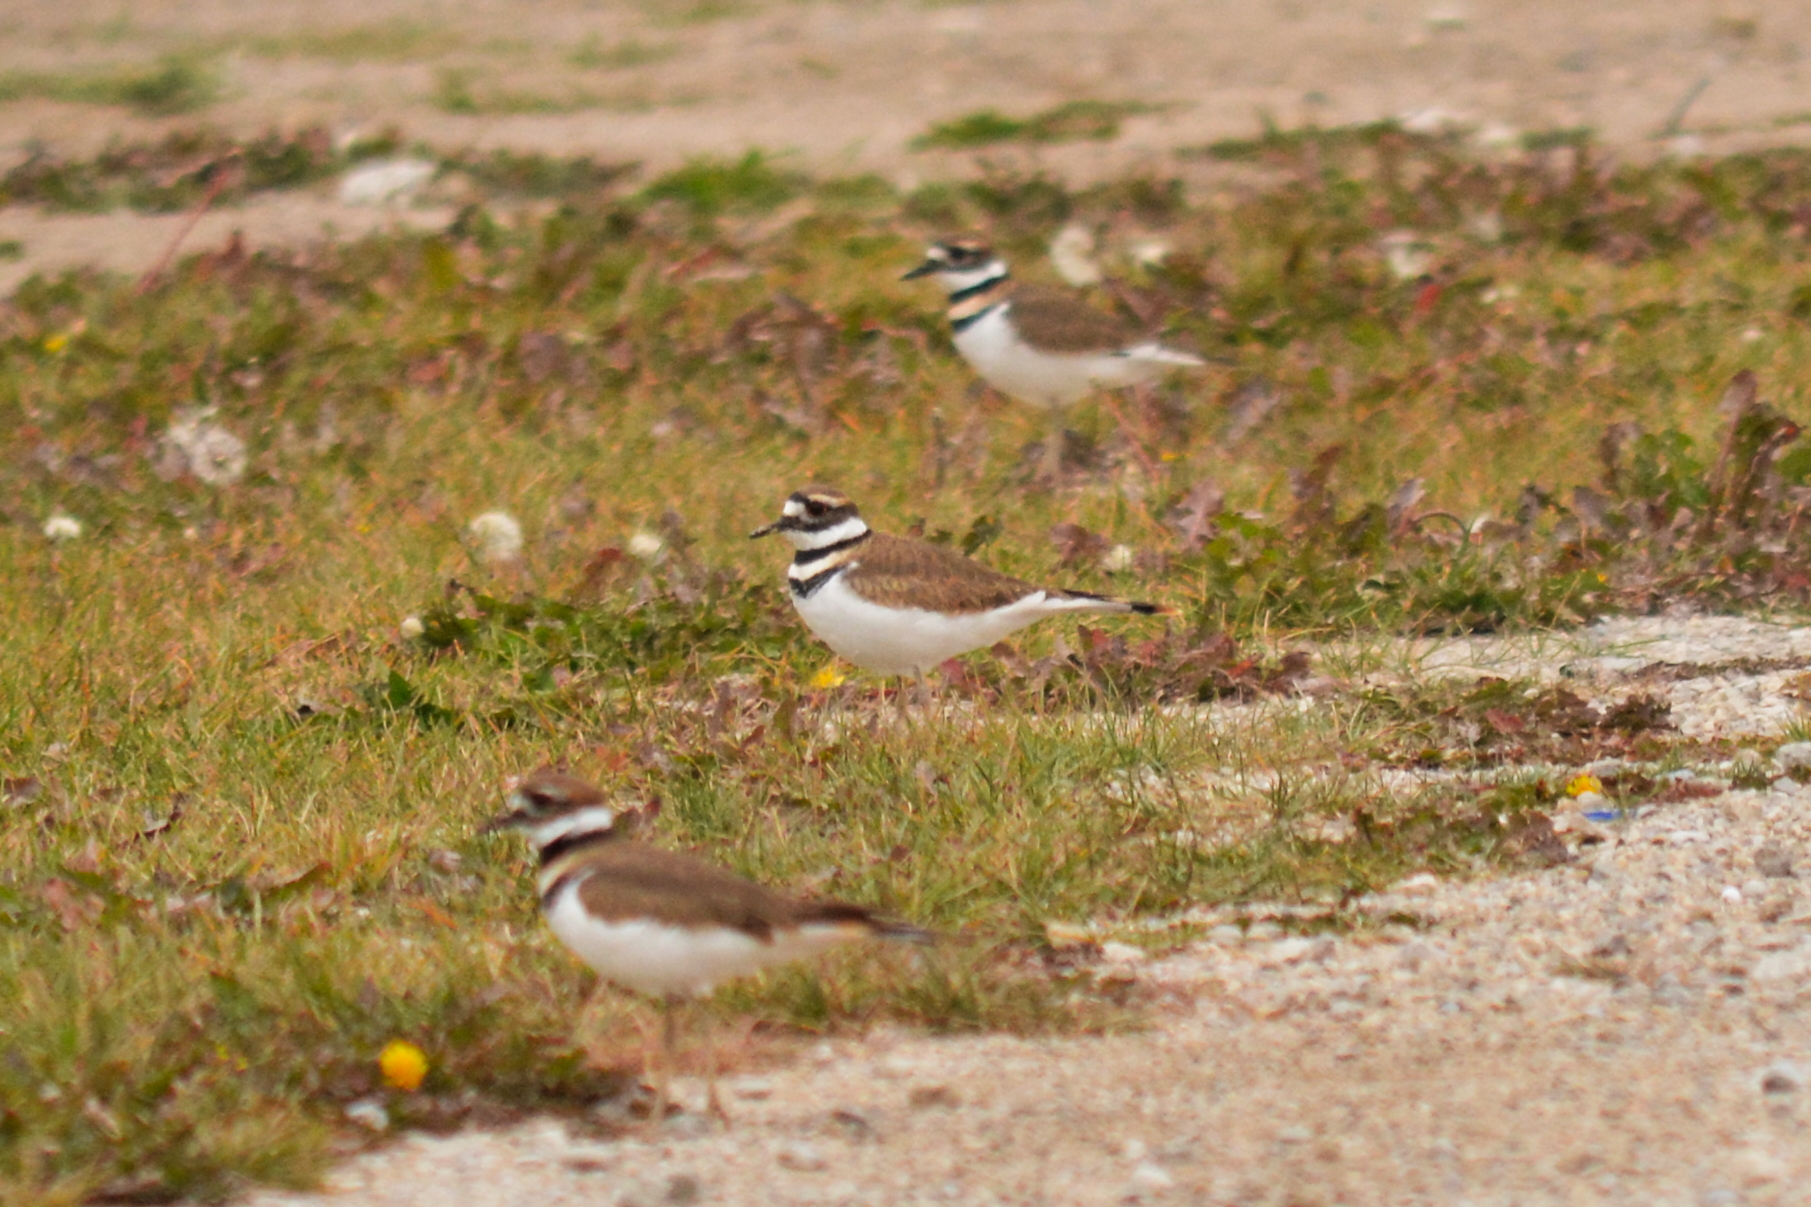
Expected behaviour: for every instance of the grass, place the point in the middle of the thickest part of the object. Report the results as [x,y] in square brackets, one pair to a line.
[1072,121]
[391,41]
[240,805]
[466,91]
[170,87]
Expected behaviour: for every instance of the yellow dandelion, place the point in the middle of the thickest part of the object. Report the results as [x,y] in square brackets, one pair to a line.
[827,678]
[57,342]
[1582,784]
[403,1064]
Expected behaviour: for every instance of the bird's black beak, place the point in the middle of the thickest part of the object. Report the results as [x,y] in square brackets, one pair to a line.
[923,270]
[778,525]
[504,821]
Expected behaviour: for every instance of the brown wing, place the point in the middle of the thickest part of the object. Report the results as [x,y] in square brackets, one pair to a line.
[901,572]
[1062,322]
[629,880]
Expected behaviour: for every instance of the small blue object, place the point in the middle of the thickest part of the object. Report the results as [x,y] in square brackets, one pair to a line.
[1603,814]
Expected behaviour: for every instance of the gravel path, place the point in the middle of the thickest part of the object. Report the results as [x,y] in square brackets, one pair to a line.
[1631,1026]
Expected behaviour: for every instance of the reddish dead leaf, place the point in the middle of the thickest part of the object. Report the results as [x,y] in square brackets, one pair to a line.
[1077,544]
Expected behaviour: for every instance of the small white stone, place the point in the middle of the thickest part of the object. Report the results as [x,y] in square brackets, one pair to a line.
[1148,1175]
[1288,951]
[1732,895]
[802,1156]
[1794,756]
[385,181]
[1115,952]
[61,526]
[370,1113]
[411,628]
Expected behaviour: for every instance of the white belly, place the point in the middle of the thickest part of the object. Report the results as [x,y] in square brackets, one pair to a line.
[659,959]
[1051,379]
[911,641]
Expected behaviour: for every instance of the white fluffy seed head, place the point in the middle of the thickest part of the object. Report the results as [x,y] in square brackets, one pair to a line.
[497,535]
[647,546]
[208,451]
[62,526]
[411,628]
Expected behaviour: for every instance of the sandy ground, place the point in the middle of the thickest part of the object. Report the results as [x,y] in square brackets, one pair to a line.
[846,86]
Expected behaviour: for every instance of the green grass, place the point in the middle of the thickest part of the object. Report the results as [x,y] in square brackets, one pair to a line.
[239,828]
[392,41]
[467,91]
[1072,121]
[172,86]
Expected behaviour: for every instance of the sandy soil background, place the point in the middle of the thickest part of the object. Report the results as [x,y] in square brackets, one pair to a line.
[846,86]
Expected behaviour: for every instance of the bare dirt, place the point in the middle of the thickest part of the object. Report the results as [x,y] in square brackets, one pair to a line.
[1633,1026]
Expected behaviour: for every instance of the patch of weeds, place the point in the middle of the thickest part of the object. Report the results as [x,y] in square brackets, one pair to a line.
[1073,121]
[530,174]
[11,249]
[593,55]
[171,87]
[709,187]
[392,41]
[177,171]
[464,91]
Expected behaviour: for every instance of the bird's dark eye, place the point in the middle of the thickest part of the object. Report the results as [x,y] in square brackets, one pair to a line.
[814,507]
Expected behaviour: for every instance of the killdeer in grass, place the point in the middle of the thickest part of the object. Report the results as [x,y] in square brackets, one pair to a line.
[659,922]
[901,606]
[1041,346]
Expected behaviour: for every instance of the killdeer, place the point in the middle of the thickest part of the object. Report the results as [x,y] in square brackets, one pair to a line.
[902,606]
[1039,345]
[659,922]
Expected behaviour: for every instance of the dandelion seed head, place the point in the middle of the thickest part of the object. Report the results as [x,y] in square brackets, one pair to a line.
[411,628]
[1117,560]
[209,451]
[497,535]
[62,526]
[647,546]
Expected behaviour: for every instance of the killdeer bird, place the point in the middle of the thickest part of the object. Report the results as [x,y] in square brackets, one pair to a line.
[659,922]
[902,606]
[1041,346]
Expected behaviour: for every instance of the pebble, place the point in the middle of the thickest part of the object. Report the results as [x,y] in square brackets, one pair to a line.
[1784,1077]
[1148,1175]
[802,1156]
[369,1113]
[1114,952]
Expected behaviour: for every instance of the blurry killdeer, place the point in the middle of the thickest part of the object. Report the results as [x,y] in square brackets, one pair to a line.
[902,606]
[659,922]
[1041,346]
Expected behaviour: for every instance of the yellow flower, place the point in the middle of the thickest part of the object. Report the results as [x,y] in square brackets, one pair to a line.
[404,1065]
[1582,784]
[57,342]
[828,677]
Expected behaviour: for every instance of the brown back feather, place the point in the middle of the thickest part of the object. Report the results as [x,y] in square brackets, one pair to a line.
[901,572]
[1062,322]
[629,880]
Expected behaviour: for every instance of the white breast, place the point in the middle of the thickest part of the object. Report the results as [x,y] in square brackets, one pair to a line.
[911,641]
[1054,379]
[658,958]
